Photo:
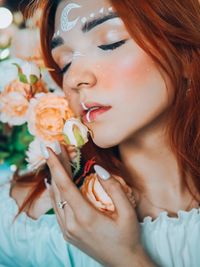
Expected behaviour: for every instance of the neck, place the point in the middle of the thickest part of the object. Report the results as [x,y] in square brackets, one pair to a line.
[151,162]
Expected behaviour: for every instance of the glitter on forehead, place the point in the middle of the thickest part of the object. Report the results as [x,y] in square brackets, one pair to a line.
[78,54]
[56,34]
[101,10]
[66,24]
[84,19]
[110,9]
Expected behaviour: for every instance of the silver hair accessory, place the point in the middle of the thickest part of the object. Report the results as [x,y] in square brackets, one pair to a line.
[66,24]
[61,204]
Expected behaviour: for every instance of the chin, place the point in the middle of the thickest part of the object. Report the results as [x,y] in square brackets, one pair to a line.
[104,141]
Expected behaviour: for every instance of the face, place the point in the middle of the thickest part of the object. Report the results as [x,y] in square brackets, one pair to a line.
[104,68]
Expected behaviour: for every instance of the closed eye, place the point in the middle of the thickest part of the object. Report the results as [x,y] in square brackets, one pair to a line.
[112,46]
[103,47]
[66,67]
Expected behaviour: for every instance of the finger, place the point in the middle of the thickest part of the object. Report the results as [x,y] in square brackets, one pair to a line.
[115,191]
[66,212]
[54,204]
[65,160]
[72,152]
[57,199]
[70,148]
[68,190]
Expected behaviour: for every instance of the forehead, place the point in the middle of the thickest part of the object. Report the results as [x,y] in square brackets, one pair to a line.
[84,9]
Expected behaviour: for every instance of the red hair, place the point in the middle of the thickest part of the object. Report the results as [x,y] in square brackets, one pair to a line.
[169,33]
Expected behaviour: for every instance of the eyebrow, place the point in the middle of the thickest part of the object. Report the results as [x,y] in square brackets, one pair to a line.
[56,41]
[88,26]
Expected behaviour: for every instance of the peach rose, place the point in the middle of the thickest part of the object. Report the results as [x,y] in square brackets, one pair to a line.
[25,89]
[17,86]
[14,101]
[13,108]
[94,192]
[47,115]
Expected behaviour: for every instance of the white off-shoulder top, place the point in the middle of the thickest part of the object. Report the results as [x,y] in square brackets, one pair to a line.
[170,242]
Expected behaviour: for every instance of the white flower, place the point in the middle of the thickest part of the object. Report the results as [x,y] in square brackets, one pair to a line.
[35,158]
[75,132]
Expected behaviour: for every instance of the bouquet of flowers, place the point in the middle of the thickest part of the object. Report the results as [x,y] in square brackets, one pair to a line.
[29,115]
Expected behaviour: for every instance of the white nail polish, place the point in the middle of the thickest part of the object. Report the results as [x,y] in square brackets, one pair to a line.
[44,150]
[57,148]
[102,173]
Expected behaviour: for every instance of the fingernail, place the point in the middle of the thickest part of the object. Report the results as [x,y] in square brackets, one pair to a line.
[44,150]
[102,173]
[57,148]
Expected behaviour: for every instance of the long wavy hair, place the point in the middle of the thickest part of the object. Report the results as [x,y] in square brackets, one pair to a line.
[169,32]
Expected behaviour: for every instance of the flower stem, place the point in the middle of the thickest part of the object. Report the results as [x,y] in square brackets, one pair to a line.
[77,163]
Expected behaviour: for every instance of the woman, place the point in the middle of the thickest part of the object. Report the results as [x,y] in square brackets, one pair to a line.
[140,61]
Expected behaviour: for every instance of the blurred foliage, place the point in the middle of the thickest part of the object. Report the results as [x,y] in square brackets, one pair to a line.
[14,142]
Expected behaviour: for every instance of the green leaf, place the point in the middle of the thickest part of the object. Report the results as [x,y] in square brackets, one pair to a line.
[13,145]
[23,78]
[67,139]
[16,159]
[4,155]
[18,68]
[22,138]
[78,137]
[33,79]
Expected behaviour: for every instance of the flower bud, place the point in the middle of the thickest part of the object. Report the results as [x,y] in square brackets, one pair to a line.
[75,133]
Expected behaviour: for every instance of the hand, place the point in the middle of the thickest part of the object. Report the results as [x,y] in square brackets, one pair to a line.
[84,226]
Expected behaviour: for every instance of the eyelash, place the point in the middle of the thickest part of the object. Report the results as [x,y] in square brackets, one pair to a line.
[66,67]
[112,46]
[103,47]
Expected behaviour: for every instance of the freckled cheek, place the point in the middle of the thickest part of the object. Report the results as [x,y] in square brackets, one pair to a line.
[124,71]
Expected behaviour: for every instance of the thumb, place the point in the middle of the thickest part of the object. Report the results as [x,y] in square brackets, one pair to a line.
[115,191]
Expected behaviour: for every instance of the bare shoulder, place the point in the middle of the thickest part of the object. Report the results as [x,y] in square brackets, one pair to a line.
[20,192]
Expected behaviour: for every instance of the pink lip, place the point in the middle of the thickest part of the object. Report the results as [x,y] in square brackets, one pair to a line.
[89,105]
[93,104]
[95,113]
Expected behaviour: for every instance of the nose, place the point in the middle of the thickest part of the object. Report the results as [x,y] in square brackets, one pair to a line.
[79,77]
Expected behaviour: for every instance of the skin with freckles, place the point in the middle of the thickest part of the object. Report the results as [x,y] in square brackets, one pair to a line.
[124,78]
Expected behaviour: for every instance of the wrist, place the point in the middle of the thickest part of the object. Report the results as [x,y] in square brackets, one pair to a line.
[138,258]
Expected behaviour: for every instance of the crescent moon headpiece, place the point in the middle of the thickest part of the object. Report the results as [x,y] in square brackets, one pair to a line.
[67,25]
